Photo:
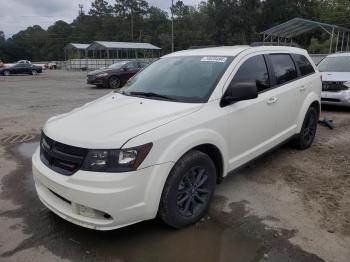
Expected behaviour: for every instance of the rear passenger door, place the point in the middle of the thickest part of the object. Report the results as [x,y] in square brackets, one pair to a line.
[305,69]
[286,100]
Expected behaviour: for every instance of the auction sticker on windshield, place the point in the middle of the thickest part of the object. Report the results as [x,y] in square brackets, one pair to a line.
[216,59]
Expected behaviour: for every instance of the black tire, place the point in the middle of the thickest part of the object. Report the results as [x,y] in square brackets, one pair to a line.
[34,72]
[114,82]
[308,131]
[6,73]
[99,86]
[188,190]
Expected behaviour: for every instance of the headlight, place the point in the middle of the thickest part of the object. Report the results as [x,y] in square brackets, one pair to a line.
[102,75]
[347,84]
[116,160]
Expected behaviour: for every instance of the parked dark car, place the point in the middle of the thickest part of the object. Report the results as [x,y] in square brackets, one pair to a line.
[116,75]
[21,68]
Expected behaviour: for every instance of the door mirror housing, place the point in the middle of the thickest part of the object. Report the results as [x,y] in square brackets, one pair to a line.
[239,91]
[125,68]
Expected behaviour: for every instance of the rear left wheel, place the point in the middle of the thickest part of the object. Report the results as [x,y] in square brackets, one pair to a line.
[308,131]
[188,190]
[34,72]
[6,73]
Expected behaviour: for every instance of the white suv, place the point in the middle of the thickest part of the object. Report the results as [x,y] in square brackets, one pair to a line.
[335,71]
[160,146]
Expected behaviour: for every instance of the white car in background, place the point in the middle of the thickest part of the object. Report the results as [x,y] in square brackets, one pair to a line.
[335,72]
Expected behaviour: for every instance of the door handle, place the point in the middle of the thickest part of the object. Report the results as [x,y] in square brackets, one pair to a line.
[302,88]
[272,100]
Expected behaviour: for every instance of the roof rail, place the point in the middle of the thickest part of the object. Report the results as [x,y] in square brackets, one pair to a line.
[201,46]
[274,44]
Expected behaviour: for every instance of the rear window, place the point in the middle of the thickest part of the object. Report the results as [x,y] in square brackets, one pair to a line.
[284,68]
[304,65]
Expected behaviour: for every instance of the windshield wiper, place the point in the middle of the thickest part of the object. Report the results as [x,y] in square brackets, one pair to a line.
[151,94]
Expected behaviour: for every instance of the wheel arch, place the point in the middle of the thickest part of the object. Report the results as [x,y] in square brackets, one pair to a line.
[216,156]
[312,100]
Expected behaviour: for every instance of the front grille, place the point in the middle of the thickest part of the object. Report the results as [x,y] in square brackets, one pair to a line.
[91,77]
[63,159]
[333,86]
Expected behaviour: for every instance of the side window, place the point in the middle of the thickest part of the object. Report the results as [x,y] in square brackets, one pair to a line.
[142,64]
[304,65]
[284,68]
[130,65]
[254,70]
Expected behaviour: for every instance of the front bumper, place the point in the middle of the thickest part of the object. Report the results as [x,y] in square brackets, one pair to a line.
[96,81]
[341,98]
[102,201]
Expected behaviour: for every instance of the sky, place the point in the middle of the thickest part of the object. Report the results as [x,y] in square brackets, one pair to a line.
[17,15]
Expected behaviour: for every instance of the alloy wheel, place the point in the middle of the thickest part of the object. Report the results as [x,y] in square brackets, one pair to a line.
[193,192]
[309,128]
[114,82]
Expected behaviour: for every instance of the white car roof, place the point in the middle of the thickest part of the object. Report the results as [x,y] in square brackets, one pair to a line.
[339,55]
[234,50]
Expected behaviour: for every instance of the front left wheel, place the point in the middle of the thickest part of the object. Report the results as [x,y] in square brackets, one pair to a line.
[188,190]
[114,82]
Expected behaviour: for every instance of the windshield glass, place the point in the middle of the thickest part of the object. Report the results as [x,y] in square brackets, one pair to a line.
[335,64]
[118,65]
[183,79]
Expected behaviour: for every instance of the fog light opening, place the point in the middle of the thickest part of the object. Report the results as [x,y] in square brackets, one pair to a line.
[107,216]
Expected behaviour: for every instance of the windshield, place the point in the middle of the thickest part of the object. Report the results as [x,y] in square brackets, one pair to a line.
[182,79]
[118,65]
[335,64]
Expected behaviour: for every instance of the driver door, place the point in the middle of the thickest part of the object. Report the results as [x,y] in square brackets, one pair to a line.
[129,70]
[251,122]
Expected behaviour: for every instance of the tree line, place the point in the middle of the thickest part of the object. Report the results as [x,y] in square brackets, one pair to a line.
[210,23]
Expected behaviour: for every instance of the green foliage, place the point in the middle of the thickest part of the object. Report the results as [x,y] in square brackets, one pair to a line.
[318,47]
[337,12]
[100,8]
[212,22]
[2,37]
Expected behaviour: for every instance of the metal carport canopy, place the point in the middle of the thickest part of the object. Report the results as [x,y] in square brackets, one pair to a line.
[121,45]
[77,46]
[298,26]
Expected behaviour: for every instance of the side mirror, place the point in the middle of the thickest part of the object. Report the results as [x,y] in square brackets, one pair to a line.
[239,91]
[125,68]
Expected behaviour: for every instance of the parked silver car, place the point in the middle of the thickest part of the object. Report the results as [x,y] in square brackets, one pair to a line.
[335,73]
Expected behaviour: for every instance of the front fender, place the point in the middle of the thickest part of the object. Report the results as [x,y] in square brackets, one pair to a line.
[167,151]
[174,146]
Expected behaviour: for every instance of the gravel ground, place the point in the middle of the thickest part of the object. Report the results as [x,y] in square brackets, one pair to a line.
[286,206]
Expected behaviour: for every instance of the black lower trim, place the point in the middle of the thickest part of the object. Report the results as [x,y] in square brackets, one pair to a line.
[330,100]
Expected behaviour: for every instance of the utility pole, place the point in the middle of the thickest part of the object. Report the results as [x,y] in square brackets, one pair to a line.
[81,9]
[172,26]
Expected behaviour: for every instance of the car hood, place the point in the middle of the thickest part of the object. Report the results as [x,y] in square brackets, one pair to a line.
[112,120]
[335,76]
